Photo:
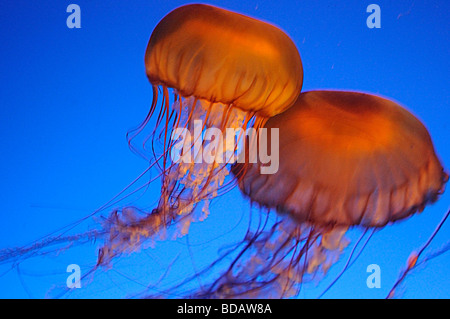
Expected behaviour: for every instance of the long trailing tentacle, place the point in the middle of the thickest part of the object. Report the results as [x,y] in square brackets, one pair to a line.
[414,256]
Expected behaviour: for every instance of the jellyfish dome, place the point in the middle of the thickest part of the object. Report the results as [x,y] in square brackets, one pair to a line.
[348,158]
[345,159]
[225,71]
[219,56]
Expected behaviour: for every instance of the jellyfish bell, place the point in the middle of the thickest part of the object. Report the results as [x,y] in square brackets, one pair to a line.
[346,159]
[225,70]
[224,57]
[353,159]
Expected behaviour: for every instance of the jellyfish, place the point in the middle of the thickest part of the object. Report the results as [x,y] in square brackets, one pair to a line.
[346,159]
[211,71]
[225,71]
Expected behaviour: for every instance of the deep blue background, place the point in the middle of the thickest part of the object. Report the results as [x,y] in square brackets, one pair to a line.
[68,97]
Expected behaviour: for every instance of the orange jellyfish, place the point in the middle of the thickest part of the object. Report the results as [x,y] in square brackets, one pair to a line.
[226,71]
[345,159]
